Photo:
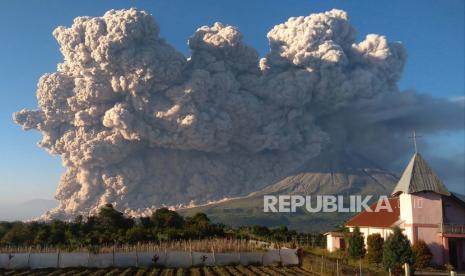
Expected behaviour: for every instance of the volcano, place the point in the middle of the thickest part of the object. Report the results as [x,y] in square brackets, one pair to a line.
[140,125]
[334,172]
[331,173]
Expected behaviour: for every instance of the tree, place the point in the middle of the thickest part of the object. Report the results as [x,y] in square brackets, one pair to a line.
[165,218]
[280,234]
[356,244]
[57,232]
[375,245]
[341,228]
[261,231]
[199,226]
[422,254]
[137,234]
[199,218]
[108,227]
[145,222]
[42,236]
[19,235]
[397,252]
[4,228]
[109,218]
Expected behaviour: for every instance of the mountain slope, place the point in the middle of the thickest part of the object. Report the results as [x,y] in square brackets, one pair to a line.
[331,173]
[26,210]
[334,173]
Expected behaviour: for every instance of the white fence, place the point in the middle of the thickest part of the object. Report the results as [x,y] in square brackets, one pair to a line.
[283,256]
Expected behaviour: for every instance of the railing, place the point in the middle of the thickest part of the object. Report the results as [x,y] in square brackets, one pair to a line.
[451,228]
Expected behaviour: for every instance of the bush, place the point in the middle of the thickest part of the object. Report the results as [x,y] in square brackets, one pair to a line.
[165,218]
[397,252]
[356,244]
[375,244]
[422,254]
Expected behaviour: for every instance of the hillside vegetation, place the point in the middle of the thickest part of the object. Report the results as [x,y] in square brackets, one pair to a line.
[111,227]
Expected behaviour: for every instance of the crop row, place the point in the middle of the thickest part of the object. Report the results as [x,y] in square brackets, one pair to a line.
[194,271]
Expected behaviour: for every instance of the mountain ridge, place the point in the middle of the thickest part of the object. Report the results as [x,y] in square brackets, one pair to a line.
[331,173]
[26,210]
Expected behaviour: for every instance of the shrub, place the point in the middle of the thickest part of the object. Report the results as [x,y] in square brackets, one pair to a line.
[356,244]
[397,252]
[422,254]
[375,245]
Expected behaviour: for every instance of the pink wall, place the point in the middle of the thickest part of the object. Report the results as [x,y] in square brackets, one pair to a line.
[427,208]
[427,214]
[433,240]
[454,212]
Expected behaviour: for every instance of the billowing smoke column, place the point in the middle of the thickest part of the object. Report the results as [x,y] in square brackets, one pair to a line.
[140,126]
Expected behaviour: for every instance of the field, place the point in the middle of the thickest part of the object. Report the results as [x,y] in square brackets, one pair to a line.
[194,271]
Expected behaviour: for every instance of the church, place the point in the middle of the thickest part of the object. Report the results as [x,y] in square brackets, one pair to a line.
[424,209]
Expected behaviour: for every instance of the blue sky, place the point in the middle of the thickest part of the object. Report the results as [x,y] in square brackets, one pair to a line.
[432,31]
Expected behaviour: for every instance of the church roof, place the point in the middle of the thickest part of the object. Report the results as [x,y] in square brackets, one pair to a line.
[382,219]
[419,177]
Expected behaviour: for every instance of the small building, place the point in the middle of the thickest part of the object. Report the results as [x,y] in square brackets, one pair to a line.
[424,209]
[335,240]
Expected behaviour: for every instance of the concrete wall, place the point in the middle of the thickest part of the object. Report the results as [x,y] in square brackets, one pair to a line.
[405,203]
[248,258]
[145,259]
[74,259]
[43,260]
[333,243]
[288,256]
[330,243]
[14,261]
[406,214]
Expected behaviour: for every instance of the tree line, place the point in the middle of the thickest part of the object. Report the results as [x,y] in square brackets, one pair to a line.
[111,227]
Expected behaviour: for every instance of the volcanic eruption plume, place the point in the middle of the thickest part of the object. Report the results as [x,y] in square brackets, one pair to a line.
[139,125]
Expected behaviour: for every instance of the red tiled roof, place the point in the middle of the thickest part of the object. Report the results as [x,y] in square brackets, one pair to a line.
[382,218]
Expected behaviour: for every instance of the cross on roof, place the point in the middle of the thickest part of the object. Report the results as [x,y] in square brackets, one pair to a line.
[414,138]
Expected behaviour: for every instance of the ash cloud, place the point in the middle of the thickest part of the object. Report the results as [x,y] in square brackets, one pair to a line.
[139,125]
